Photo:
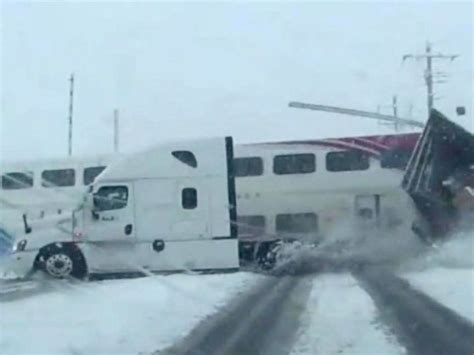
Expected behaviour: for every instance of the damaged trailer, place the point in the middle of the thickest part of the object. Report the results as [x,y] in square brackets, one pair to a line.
[440,178]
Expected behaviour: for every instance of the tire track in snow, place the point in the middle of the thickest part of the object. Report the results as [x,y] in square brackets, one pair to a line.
[423,325]
[264,321]
[341,318]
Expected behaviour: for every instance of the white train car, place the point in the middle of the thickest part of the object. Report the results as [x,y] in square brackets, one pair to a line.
[45,188]
[310,190]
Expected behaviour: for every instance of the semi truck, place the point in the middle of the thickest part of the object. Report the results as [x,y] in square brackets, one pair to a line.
[168,208]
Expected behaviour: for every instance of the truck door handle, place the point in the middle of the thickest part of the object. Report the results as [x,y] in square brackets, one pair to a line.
[128,229]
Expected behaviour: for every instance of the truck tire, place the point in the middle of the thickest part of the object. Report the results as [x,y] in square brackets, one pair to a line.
[62,261]
[266,257]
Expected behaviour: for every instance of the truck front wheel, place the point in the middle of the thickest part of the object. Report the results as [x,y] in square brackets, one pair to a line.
[62,261]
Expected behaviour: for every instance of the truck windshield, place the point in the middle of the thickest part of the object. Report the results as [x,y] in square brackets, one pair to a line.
[111,198]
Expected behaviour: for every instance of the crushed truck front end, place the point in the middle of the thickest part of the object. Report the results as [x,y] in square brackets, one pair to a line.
[20,260]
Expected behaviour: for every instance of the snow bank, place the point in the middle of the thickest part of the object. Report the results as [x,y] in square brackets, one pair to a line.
[446,273]
[452,287]
[115,316]
[342,319]
[456,252]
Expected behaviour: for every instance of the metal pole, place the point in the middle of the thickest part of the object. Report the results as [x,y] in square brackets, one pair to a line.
[395,106]
[71,102]
[395,111]
[116,131]
[352,112]
[429,76]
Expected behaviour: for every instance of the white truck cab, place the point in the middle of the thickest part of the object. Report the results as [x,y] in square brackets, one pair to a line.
[169,208]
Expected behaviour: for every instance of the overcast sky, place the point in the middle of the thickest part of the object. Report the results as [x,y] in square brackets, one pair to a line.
[177,70]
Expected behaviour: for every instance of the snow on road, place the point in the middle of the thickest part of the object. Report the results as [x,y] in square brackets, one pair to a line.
[447,274]
[341,318]
[452,287]
[115,316]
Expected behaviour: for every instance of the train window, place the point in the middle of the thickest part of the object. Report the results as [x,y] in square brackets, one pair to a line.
[365,213]
[17,180]
[189,198]
[294,164]
[111,198]
[248,166]
[186,157]
[297,223]
[395,158]
[91,173]
[58,178]
[349,160]
[251,226]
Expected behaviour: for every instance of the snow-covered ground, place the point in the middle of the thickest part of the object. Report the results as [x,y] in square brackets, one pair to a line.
[447,274]
[452,287]
[341,318]
[115,316]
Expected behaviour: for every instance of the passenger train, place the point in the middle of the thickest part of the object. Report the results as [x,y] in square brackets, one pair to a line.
[290,190]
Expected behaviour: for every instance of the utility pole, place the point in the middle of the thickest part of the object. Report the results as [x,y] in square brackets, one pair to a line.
[395,112]
[394,106]
[116,131]
[429,56]
[71,102]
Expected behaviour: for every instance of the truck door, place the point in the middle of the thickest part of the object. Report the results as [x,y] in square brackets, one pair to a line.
[110,232]
[367,210]
[113,213]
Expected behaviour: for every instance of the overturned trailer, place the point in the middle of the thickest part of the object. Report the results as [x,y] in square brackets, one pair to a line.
[440,178]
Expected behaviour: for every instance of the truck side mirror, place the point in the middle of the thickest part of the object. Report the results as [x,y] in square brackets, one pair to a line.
[25,224]
[95,209]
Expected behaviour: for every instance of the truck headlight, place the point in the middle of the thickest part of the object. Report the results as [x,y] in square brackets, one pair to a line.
[20,246]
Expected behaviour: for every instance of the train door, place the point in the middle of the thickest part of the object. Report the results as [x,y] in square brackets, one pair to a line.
[367,210]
